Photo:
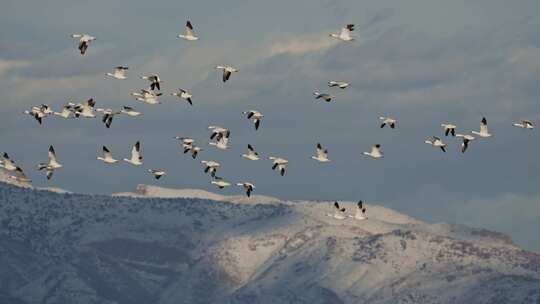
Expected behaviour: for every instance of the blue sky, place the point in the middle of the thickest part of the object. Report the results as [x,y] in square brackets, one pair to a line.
[422,62]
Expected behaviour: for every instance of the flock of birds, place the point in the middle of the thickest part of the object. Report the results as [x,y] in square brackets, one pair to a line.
[219,136]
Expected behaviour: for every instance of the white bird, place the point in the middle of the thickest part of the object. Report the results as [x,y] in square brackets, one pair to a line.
[449,129]
[483,129]
[339,212]
[52,165]
[187,143]
[227,71]
[194,151]
[85,109]
[183,94]
[136,158]
[248,187]
[255,117]
[466,139]
[67,110]
[218,132]
[20,176]
[39,112]
[345,34]
[524,124]
[84,41]
[391,122]
[147,96]
[360,212]
[107,157]
[7,163]
[325,96]
[339,84]
[210,166]
[188,34]
[155,81]
[129,111]
[119,72]
[376,152]
[108,115]
[220,182]
[321,155]
[279,163]
[157,173]
[222,143]
[251,154]
[436,142]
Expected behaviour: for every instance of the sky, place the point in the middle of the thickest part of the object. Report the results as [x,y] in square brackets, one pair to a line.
[423,62]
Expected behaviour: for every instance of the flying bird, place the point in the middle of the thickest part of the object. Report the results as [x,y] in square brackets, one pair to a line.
[524,124]
[67,110]
[147,96]
[222,143]
[187,143]
[218,132]
[345,34]
[157,173]
[20,176]
[129,111]
[210,166]
[325,96]
[52,165]
[255,117]
[85,109]
[248,187]
[84,41]
[339,212]
[466,139]
[155,81]
[321,155]
[484,133]
[136,158]
[107,157]
[7,163]
[220,182]
[376,152]
[183,94]
[189,34]
[360,212]
[436,142]
[119,72]
[39,112]
[449,129]
[279,163]
[251,154]
[387,121]
[339,84]
[227,71]
[108,115]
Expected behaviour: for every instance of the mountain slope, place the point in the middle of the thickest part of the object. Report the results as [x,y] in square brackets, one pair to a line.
[72,248]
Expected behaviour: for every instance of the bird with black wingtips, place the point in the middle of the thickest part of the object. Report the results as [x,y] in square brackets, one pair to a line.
[157,173]
[136,157]
[85,109]
[436,142]
[20,176]
[360,212]
[449,129]
[107,156]
[255,117]
[524,124]
[325,96]
[339,212]
[108,115]
[155,81]
[130,111]
[52,165]
[248,187]
[222,143]
[183,94]
[147,96]
[345,33]
[466,139]
[279,163]
[189,34]
[387,121]
[251,153]
[220,182]
[227,71]
[484,132]
[375,152]
[119,73]
[84,41]
[218,132]
[321,155]
[210,166]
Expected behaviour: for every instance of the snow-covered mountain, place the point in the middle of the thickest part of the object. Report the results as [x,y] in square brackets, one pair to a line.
[73,248]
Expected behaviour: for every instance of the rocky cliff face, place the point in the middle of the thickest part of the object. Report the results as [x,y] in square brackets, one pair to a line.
[71,248]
